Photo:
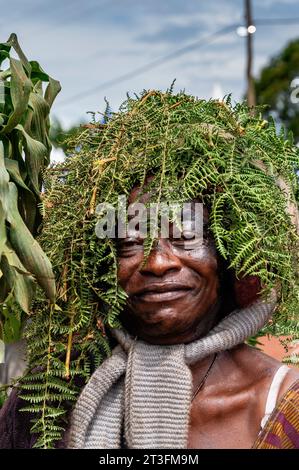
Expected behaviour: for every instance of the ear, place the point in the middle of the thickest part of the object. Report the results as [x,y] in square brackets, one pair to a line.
[246,290]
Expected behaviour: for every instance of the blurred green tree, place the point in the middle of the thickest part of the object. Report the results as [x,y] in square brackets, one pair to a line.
[59,135]
[278,87]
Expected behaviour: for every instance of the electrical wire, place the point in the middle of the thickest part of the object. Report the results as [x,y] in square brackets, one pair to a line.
[151,65]
[278,21]
[173,55]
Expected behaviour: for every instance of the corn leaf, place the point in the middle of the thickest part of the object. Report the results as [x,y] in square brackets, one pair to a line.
[19,280]
[27,248]
[24,154]
[20,88]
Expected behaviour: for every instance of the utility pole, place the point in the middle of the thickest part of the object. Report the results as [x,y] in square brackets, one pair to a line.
[251,100]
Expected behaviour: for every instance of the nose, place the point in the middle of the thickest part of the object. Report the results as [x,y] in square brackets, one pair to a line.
[160,261]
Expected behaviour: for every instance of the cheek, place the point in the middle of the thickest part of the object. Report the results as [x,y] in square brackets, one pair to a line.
[126,269]
[204,262]
[204,265]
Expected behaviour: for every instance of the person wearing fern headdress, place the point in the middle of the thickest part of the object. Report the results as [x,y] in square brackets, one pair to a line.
[177,310]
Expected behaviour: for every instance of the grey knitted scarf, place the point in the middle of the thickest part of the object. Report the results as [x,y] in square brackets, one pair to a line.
[141,394]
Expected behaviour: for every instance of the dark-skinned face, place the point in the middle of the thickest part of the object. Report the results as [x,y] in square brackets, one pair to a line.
[173,297]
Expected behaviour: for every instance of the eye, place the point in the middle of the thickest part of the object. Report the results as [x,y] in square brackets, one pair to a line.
[129,246]
[191,239]
[188,241]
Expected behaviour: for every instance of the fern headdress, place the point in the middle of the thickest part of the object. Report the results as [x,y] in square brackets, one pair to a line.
[233,160]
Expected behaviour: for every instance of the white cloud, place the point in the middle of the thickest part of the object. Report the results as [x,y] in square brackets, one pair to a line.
[57,155]
[106,42]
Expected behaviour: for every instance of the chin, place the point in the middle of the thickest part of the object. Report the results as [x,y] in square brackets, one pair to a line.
[166,324]
[166,318]
[165,328]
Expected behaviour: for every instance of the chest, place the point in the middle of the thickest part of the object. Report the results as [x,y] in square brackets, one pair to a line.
[224,422]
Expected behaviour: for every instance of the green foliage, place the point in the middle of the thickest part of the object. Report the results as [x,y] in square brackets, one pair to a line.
[24,154]
[60,136]
[273,87]
[3,397]
[232,160]
[11,321]
[291,360]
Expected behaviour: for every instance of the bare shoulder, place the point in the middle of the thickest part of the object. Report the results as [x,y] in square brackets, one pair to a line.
[259,366]
[291,377]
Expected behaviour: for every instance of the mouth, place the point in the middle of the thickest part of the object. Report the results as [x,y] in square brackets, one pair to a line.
[162,292]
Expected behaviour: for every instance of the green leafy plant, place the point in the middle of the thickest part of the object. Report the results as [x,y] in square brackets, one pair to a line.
[234,161]
[24,154]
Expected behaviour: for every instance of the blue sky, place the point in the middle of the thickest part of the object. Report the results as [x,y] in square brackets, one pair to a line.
[87,43]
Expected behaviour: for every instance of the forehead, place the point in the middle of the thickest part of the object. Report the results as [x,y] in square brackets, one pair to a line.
[141,193]
[144,196]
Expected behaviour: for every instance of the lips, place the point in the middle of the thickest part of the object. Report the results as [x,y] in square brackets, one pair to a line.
[162,292]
